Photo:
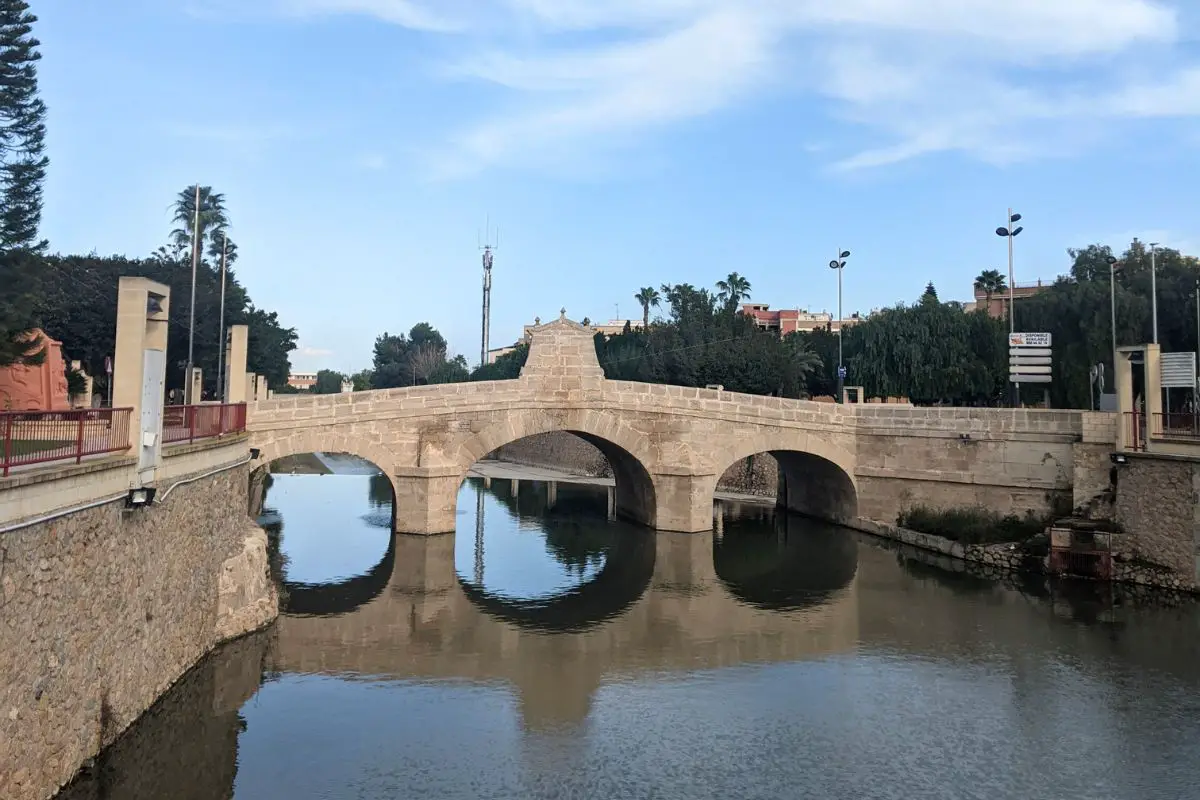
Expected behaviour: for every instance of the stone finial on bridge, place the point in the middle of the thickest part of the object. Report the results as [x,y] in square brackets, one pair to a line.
[562,349]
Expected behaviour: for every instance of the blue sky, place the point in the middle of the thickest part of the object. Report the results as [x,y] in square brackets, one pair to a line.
[617,143]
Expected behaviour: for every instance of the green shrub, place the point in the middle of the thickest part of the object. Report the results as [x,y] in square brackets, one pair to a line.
[972,525]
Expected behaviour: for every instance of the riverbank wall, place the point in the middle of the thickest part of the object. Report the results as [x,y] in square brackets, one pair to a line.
[103,608]
[756,475]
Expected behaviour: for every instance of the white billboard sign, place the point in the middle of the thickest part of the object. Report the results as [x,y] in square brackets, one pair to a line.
[1029,340]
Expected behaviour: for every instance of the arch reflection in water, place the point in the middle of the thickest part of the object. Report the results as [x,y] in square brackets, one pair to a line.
[781,561]
[603,567]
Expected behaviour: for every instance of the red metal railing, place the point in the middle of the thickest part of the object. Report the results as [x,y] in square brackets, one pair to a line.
[1175,425]
[1135,431]
[37,437]
[189,423]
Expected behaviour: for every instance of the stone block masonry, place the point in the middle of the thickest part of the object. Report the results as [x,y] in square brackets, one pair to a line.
[1158,502]
[103,609]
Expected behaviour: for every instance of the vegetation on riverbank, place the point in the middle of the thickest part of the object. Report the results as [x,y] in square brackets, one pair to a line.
[973,524]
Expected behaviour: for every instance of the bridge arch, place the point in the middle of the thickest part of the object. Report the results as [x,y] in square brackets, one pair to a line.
[816,474]
[627,451]
[325,440]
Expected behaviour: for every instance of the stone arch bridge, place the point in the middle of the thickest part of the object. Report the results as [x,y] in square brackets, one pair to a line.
[668,445]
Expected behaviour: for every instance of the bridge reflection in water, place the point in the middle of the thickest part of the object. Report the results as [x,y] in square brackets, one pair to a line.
[460,672]
[659,602]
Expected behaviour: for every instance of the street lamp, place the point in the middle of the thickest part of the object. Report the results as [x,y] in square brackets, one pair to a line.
[1112,286]
[839,264]
[1010,233]
[1153,291]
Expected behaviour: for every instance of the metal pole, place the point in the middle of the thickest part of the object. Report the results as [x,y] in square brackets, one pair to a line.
[187,380]
[841,381]
[1154,291]
[1112,286]
[487,305]
[1016,390]
[221,324]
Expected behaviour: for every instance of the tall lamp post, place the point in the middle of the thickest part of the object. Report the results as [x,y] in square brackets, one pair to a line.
[839,264]
[1154,291]
[1112,289]
[1010,233]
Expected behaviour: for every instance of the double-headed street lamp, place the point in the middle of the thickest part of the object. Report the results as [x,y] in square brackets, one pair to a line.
[1010,233]
[839,264]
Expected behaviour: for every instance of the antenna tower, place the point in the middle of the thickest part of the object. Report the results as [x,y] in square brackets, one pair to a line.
[488,249]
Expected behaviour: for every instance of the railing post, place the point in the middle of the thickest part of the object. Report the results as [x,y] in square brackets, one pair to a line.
[79,440]
[8,422]
[191,420]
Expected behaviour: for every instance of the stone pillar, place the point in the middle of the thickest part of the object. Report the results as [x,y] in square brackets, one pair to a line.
[196,393]
[426,499]
[235,364]
[1154,399]
[251,387]
[140,366]
[684,502]
[260,387]
[423,575]
[551,494]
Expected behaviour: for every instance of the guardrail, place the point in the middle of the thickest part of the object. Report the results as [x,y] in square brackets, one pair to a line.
[38,437]
[1176,425]
[189,423]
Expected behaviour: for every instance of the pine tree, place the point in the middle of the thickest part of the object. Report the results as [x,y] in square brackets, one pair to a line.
[22,129]
[22,171]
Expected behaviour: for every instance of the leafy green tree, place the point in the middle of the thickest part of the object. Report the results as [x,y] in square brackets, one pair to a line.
[647,296]
[328,382]
[506,367]
[416,358]
[362,380]
[20,285]
[23,161]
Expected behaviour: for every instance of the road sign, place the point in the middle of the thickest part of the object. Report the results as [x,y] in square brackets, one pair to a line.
[842,373]
[1029,340]
[1029,357]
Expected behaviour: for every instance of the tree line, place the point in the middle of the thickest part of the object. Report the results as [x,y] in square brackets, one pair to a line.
[931,351]
[73,297]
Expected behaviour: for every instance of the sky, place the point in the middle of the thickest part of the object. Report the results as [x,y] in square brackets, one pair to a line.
[363,145]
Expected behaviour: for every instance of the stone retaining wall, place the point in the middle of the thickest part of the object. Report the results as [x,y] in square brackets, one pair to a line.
[102,610]
[1158,502]
[757,475]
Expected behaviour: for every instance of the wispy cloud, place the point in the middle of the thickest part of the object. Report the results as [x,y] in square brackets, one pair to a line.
[995,79]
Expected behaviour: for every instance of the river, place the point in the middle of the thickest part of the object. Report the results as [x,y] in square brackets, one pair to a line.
[546,651]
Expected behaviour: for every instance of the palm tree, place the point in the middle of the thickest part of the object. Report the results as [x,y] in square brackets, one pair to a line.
[213,221]
[647,296]
[991,282]
[733,290]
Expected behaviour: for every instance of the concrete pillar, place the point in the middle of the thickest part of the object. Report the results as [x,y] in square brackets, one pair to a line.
[85,401]
[551,494]
[197,386]
[251,387]
[1123,386]
[140,366]
[684,502]
[423,577]
[1154,395]
[611,512]
[236,343]
[515,487]
[426,499]
[260,387]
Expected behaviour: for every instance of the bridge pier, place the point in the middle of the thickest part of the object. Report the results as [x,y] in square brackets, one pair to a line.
[684,502]
[426,499]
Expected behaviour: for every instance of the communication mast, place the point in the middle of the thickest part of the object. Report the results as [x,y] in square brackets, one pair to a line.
[488,250]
